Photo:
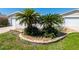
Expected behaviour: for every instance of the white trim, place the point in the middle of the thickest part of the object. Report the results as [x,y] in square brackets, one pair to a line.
[69,11]
[14,13]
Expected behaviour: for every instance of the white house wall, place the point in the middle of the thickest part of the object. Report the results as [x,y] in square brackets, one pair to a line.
[15,23]
[72,23]
[71,20]
[10,22]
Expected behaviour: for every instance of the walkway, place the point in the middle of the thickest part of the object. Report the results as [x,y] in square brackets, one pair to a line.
[6,29]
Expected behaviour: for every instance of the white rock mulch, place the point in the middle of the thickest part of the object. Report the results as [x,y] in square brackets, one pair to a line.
[41,41]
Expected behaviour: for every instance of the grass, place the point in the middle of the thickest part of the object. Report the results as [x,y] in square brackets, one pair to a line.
[9,41]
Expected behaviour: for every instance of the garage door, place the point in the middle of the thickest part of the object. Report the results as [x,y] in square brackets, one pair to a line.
[13,22]
[72,22]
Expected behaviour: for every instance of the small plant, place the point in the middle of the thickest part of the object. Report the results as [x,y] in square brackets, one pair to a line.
[4,21]
[33,31]
[50,32]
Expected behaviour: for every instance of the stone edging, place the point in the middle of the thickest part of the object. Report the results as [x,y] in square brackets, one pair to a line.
[36,41]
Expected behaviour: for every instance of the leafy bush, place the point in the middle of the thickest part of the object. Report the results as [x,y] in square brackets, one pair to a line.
[3,21]
[50,32]
[51,35]
[33,31]
[47,32]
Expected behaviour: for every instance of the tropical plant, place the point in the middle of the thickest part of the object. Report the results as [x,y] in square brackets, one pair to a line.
[28,17]
[51,20]
[50,23]
[33,31]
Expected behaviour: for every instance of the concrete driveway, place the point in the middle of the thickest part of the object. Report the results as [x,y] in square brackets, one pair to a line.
[6,29]
[70,29]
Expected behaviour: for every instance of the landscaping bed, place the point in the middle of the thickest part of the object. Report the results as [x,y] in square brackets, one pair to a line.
[40,40]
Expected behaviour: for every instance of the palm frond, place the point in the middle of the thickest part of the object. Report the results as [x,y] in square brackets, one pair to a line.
[28,16]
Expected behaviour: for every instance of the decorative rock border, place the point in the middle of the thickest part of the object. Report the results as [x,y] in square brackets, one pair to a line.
[37,41]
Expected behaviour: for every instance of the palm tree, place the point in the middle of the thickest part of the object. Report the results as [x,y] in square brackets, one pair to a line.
[28,17]
[51,20]
[51,24]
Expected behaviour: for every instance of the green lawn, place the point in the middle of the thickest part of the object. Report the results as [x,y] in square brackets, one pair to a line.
[11,42]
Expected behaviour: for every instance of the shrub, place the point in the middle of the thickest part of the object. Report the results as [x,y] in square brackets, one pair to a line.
[50,32]
[33,31]
[3,21]
[51,35]
[47,32]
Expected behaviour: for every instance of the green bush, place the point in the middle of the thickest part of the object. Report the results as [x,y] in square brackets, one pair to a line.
[50,32]
[33,31]
[4,21]
[47,32]
[51,35]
